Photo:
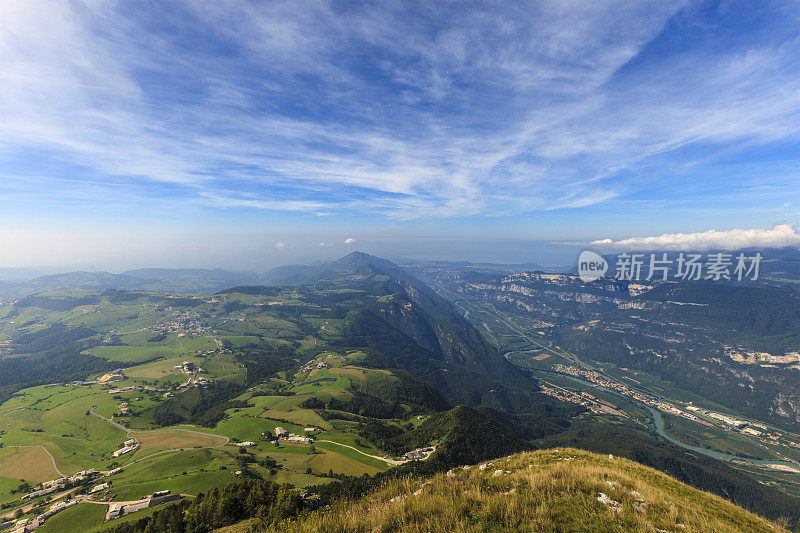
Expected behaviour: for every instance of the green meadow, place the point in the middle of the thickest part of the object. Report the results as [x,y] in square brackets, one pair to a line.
[149,335]
[84,517]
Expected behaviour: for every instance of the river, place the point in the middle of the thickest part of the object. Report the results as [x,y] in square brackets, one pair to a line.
[658,419]
[658,422]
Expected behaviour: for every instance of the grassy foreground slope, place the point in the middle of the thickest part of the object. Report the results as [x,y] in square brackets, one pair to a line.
[550,490]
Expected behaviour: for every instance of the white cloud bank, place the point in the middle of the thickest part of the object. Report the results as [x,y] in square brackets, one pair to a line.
[779,236]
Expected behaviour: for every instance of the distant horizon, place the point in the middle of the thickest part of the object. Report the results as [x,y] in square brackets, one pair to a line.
[593,211]
[34,271]
[60,269]
[242,134]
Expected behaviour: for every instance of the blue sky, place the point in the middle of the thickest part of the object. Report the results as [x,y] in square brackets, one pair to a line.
[244,134]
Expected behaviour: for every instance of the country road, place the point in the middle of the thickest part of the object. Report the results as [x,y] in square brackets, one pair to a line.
[384,459]
[227,440]
[48,498]
[120,426]
[130,434]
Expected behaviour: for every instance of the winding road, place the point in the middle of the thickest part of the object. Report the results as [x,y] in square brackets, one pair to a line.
[130,434]
[115,424]
[378,457]
[393,462]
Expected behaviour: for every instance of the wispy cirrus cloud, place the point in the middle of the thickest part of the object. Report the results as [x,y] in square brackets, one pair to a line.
[401,110]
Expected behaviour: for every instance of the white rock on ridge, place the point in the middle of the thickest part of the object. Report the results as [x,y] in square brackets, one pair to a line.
[608,502]
[604,499]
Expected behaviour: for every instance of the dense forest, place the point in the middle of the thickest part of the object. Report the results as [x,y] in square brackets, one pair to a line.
[221,506]
[47,356]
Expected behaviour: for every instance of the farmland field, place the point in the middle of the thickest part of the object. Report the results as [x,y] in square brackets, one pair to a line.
[183,375]
[153,441]
[28,463]
[181,472]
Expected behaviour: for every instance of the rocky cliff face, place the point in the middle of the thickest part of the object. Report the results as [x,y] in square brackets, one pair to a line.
[739,342]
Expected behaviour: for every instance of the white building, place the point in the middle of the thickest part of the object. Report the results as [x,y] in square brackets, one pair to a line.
[123,451]
[98,488]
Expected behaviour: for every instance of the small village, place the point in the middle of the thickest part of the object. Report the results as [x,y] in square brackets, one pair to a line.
[690,412]
[75,489]
[282,434]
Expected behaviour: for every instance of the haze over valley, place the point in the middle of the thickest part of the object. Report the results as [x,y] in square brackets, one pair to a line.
[399,266]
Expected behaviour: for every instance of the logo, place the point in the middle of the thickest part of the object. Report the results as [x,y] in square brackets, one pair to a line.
[591,266]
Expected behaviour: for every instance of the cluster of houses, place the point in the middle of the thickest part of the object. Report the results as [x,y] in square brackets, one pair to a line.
[584,399]
[420,454]
[185,324]
[120,390]
[191,370]
[116,509]
[25,525]
[746,427]
[127,447]
[311,365]
[55,484]
[291,437]
[599,379]
[48,487]
[187,367]
[57,508]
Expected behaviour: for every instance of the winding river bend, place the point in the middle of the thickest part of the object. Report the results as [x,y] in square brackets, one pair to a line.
[658,422]
[658,419]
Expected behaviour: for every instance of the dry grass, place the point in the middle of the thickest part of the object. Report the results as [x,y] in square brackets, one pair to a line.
[174,438]
[540,491]
[302,417]
[28,463]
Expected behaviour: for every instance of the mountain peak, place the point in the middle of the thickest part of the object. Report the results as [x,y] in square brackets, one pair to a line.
[356,255]
[361,258]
